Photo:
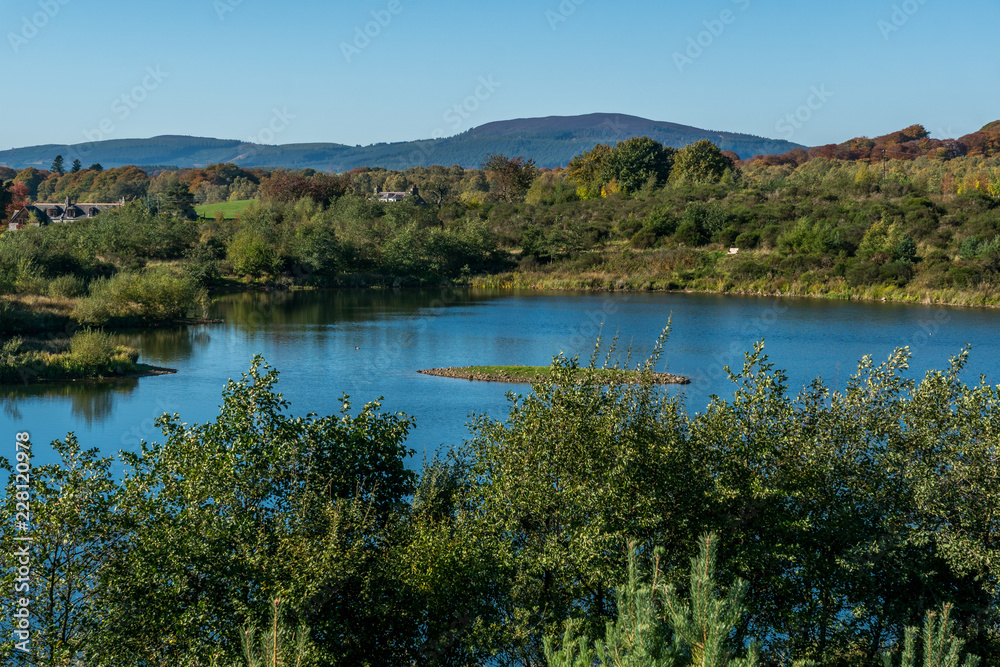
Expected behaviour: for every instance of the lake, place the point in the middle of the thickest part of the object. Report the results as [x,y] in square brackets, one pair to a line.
[371,343]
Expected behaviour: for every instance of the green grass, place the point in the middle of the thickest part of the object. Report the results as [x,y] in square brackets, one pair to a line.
[230,209]
[529,373]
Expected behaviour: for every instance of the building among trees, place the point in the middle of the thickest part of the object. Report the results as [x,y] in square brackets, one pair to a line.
[36,215]
[390,197]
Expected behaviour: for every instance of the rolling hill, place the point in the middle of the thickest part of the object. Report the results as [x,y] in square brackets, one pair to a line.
[550,141]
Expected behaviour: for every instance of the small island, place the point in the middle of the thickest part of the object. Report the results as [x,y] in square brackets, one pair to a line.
[530,374]
[87,355]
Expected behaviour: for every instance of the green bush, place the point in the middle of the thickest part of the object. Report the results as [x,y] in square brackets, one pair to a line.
[748,240]
[68,286]
[252,253]
[92,348]
[153,295]
[690,234]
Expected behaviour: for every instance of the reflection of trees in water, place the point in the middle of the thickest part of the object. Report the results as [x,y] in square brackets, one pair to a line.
[166,344]
[254,310]
[89,401]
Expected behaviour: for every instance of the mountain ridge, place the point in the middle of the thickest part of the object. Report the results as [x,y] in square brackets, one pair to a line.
[552,141]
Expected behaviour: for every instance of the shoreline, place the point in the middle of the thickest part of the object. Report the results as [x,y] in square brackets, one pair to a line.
[925,300]
[511,281]
[141,371]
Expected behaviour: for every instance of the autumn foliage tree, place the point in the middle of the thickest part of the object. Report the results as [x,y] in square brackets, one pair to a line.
[587,170]
[286,186]
[509,177]
[15,197]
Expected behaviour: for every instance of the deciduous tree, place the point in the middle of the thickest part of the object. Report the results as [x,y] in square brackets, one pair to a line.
[510,177]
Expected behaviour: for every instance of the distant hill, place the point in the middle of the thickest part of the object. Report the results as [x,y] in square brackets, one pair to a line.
[551,142]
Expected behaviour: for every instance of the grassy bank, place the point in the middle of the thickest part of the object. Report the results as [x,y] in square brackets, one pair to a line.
[717,272]
[87,355]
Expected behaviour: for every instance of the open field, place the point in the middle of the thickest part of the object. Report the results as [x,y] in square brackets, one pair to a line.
[230,209]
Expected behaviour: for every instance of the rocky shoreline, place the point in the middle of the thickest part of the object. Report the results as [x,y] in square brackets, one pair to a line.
[472,374]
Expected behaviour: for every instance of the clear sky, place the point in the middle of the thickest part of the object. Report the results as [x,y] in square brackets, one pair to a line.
[305,71]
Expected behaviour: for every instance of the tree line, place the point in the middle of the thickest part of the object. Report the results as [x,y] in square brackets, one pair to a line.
[637,215]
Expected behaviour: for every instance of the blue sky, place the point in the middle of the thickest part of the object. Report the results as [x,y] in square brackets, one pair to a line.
[810,71]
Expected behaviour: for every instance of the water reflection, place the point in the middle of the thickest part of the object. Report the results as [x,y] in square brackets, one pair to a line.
[166,345]
[258,310]
[90,402]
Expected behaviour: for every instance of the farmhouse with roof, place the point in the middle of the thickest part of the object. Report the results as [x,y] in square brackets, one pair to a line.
[390,197]
[36,215]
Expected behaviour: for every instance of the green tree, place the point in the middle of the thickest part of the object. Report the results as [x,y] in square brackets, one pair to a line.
[77,166]
[636,162]
[253,252]
[96,167]
[939,646]
[572,476]
[701,162]
[57,166]
[587,170]
[75,533]
[31,178]
[177,200]
[227,516]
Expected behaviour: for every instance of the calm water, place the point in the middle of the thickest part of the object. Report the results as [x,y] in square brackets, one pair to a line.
[371,343]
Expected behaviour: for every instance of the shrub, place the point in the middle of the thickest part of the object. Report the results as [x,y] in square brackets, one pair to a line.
[134,298]
[68,286]
[252,253]
[748,240]
[92,348]
[689,234]
[644,238]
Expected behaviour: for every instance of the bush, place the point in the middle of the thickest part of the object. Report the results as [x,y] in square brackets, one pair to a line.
[139,298]
[202,263]
[67,286]
[644,238]
[252,253]
[748,240]
[689,234]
